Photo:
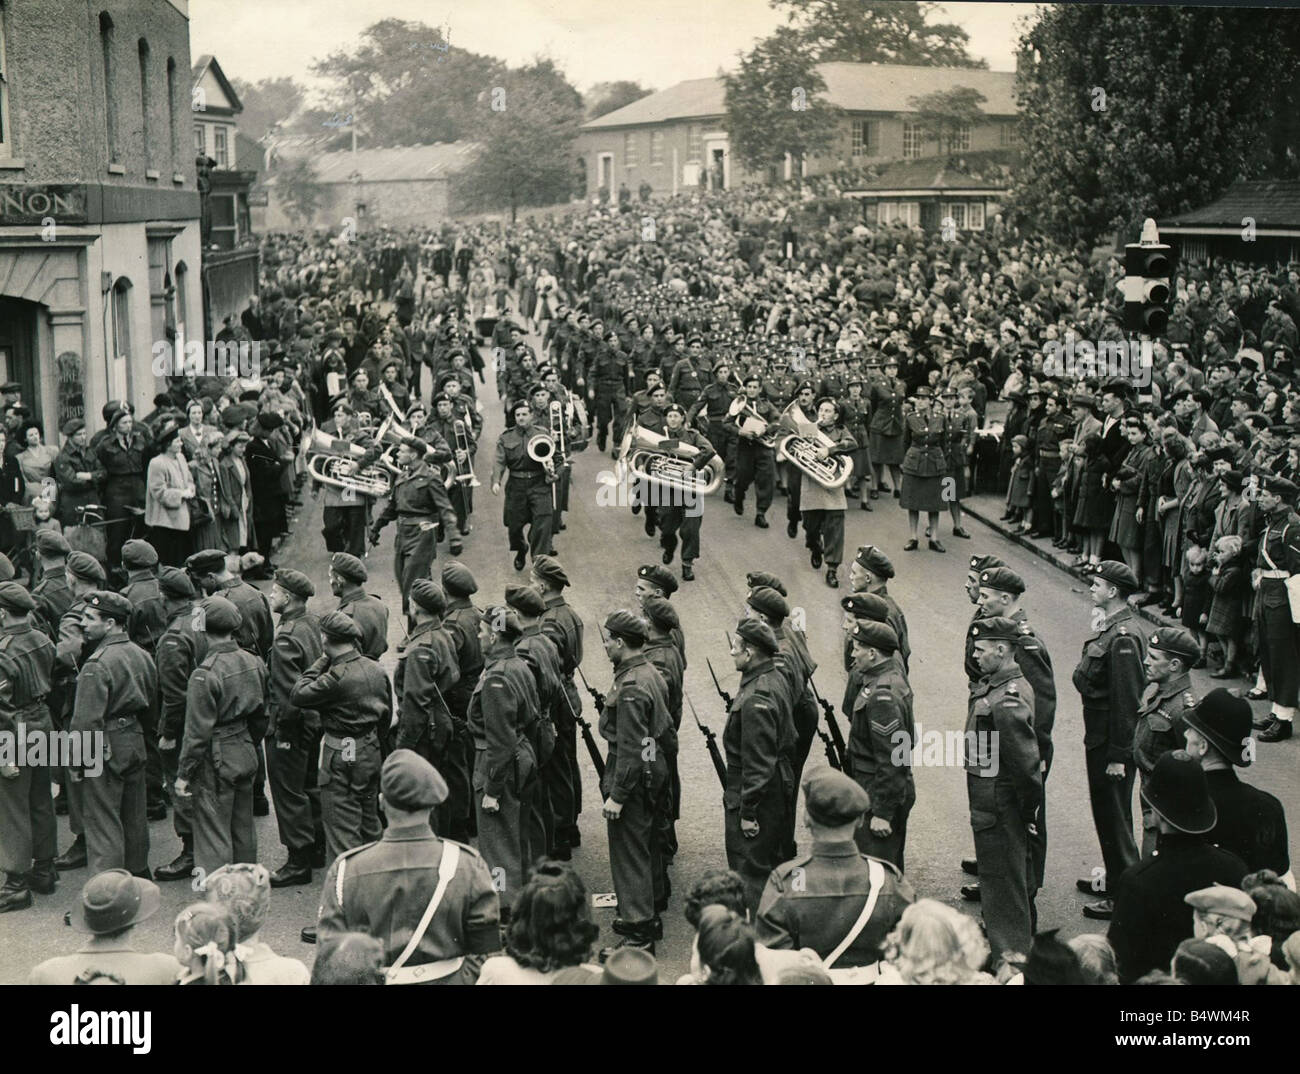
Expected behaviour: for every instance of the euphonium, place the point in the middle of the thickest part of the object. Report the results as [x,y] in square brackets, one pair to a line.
[672,467]
[830,473]
[337,463]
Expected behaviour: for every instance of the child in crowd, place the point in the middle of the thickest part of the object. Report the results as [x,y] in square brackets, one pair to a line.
[1019,495]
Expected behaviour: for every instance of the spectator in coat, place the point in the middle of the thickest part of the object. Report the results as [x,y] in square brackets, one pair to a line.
[234,494]
[77,470]
[122,453]
[169,492]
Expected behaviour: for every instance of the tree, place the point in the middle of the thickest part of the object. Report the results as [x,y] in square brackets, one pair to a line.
[525,134]
[267,104]
[606,97]
[943,115]
[299,190]
[772,107]
[1130,112]
[881,32]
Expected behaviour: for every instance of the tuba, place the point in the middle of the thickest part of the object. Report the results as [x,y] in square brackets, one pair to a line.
[338,463]
[671,464]
[800,450]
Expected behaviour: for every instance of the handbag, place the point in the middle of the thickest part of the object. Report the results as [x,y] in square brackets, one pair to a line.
[200,512]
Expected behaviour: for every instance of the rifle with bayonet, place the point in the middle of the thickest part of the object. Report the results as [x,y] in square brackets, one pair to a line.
[710,740]
[589,740]
[835,743]
[726,697]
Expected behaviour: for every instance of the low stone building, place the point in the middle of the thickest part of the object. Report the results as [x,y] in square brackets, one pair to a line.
[1255,220]
[934,193]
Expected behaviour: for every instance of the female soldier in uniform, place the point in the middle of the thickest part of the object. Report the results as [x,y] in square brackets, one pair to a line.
[925,466]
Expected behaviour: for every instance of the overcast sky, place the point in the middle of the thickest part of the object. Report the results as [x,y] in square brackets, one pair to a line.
[654,42]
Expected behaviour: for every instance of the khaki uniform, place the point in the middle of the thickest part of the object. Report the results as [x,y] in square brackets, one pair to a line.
[27,828]
[1159,729]
[293,734]
[882,734]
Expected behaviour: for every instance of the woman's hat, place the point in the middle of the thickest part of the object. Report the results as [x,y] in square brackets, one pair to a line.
[115,900]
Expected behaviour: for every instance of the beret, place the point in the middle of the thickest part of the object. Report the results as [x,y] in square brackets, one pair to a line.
[49,543]
[769,602]
[866,606]
[1224,720]
[1004,579]
[340,626]
[1279,485]
[86,567]
[138,553]
[429,595]
[1221,899]
[295,582]
[346,565]
[874,560]
[1176,641]
[111,604]
[995,628]
[503,620]
[221,615]
[627,625]
[758,635]
[209,561]
[522,401]
[409,782]
[660,576]
[1117,573]
[675,408]
[979,564]
[834,799]
[175,582]
[15,597]
[661,613]
[525,600]
[72,426]
[721,363]
[755,579]
[457,579]
[269,420]
[878,635]
[118,415]
[549,568]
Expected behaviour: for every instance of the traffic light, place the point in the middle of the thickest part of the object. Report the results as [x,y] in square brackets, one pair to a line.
[1147,283]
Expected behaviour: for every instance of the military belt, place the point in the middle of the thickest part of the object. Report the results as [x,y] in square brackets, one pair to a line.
[228,730]
[526,475]
[413,518]
[338,742]
[1275,574]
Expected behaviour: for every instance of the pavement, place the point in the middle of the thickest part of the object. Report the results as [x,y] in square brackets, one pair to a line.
[601,549]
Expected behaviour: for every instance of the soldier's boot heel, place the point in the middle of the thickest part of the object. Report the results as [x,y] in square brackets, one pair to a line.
[15,895]
[43,878]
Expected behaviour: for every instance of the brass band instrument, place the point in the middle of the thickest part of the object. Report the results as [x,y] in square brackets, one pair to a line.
[801,450]
[336,462]
[558,429]
[746,417]
[671,463]
[463,476]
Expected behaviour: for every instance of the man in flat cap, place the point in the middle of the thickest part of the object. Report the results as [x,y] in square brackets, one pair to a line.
[28,836]
[1004,785]
[1279,637]
[429,900]
[293,734]
[218,758]
[870,572]
[529,499]
[354,698]
[1110,678]
[501,709]
[635,723]
[819,898]
[347,575]
[1251,823]
[539,651]
[117,684]
[462,624]
[561,780]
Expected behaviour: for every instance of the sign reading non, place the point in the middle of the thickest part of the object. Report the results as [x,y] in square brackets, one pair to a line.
[32,203]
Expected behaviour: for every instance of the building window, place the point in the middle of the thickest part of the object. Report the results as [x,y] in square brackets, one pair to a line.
[200,145]
[1008,134]
[975,216]
[694,142]
[219,151]
[173,138]
[629,149]
[898,212]
[144,103]
[959,140]
[866,138]
[110,98]
[225,231]
[913,139]
[182,303]
[6,123]
[656,147]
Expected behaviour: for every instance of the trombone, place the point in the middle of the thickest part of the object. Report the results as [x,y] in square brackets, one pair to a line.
[463,472]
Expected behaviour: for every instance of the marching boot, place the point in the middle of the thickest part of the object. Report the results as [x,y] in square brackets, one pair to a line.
[521,557]
[816,558]
[688,575]
[295,871]
[970,867]
[760,520]
[43,878]
[308,934]
[669,547]
[792,530]
[970,892]
[74,857]
[727,495]
[15,895]
[738,504]
[654,928]
[182,866]
[649,524]
[317,860]
[866,505]
[832,577]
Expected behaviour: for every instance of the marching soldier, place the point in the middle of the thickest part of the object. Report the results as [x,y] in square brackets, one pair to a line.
[181,649]
[685,384]
[413,889]
[426,672]
[1170,657]
[293,733]
[607,377]
[685,512]
[420,505]
[823,508]
[1110,678]
[870,572]
[1279,637]
[218,760]
[779,386]
[443,422]
[502,707]
[456,814]
[715,403]
[885,395]
[759,745]
[755,460]
[115,687]
[343,516]
[347,575]
[529,499]
[1003,783]
[28,836]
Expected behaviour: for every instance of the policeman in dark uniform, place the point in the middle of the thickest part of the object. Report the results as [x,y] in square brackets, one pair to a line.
[1110,677]
[420,505]
[180,650]
[1171,654]
[457,813]
[1004,784]
[1279,637]
[117,684]
[715,401]
[354,698]
[218,760]
[755,461]
[28,837]
[293,734]
[685,511]
[426,672]
[816,900]
[561,780]
[347,575]
[759,745]
[501,708]
[385,889]
[634,722]
[1251,822]
[529,499]
[882,736]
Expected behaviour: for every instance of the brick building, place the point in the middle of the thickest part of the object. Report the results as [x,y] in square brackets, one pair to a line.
[677,137]
[99,206]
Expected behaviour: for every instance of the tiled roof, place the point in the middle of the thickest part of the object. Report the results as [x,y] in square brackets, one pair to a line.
[928,173]
[395,163]
[1269,202]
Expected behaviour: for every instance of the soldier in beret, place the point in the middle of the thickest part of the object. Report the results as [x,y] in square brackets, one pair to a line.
[870,572]
[1171,654]
[52,594]
[759,745]
[653,580]
[538,650]
[28,836]
[218,758]
[293,734]
[529,499]
[461,621]
[148,623]
[685,511]
[1111,677]
[1279,637]
[347,574]
[661,618]
[635,723]
[115,687]
[385,888]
